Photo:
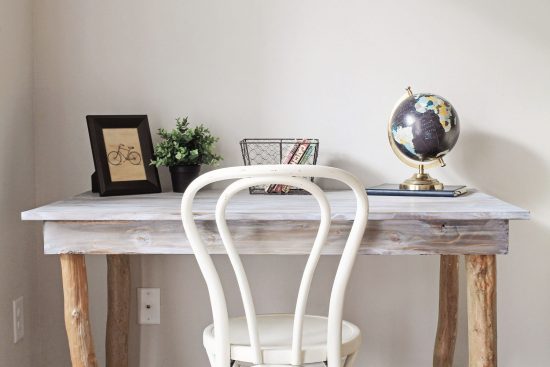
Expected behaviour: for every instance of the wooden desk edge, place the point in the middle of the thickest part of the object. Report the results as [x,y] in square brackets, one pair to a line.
[395,237]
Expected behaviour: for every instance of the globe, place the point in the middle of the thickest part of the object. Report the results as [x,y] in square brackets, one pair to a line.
[424,127]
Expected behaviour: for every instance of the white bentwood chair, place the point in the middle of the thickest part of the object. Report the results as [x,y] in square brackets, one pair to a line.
[280,339]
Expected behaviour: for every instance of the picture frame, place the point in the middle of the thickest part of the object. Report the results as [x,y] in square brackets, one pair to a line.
[122,150]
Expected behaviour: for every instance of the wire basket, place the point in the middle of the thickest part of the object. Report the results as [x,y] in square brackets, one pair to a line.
[276,151]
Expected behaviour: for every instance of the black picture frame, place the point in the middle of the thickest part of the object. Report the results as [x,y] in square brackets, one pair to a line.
[105,184]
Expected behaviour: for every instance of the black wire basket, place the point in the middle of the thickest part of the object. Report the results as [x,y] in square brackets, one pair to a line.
[277,151]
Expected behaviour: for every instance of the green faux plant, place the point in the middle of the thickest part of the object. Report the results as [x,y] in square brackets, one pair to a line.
[186,146]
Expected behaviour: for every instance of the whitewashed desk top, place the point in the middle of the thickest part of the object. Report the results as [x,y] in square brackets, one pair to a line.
[263,224]
[166,207]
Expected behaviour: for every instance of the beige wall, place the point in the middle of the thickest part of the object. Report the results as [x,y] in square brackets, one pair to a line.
[17,241]
[320,68]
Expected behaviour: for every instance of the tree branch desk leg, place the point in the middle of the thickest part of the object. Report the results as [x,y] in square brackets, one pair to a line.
[448,312]
[482,305]
[77,321]
[118,317]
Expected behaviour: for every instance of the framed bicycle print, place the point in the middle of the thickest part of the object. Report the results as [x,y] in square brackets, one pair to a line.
[122,149]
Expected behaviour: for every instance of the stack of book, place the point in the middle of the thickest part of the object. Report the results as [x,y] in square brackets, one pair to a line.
[298,154]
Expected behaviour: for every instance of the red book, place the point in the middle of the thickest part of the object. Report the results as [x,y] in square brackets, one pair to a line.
[303,160]
[269,188]
[302,148]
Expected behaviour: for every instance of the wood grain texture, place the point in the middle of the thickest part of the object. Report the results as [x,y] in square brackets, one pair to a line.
[77,321]
[166,207]
[395,237]
[482,313]
[118,315]
[448,312]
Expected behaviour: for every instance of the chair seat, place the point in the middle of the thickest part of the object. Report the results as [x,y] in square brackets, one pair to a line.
[275,333]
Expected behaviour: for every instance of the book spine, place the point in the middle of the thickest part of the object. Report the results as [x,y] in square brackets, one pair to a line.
[290,154]
[270,188]
[307,154]
[296,159]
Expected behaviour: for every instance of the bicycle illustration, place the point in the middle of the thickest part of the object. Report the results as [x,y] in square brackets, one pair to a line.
[118,157]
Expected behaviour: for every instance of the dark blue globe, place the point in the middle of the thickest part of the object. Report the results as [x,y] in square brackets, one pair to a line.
[424,127]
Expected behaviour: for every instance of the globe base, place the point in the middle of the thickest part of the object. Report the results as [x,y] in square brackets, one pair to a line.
[421,181]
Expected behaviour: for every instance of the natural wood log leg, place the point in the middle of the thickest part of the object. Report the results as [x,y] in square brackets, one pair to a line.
[448,311]
[118,317]
[482,307]
[77,321]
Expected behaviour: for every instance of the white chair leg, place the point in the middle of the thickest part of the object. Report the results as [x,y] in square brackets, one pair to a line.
[350,360]
[210,359]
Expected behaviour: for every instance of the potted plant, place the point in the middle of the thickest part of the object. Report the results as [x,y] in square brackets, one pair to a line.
[184,150]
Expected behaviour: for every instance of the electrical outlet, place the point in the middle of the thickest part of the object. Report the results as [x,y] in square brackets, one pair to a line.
[18,320]
[149,306]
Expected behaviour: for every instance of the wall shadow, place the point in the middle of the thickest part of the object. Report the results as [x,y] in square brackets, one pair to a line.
[357,168]
[501,167]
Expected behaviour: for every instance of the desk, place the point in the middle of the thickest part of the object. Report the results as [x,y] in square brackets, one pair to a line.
[475,225]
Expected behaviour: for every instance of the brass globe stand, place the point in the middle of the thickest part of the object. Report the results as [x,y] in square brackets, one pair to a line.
[421,181]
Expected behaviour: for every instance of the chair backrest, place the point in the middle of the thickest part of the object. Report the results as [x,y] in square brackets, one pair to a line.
[292,175]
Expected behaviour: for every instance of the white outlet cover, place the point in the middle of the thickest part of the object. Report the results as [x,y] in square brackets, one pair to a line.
[149,306]
[18,320]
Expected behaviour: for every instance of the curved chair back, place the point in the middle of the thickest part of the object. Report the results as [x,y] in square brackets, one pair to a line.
[292,175]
